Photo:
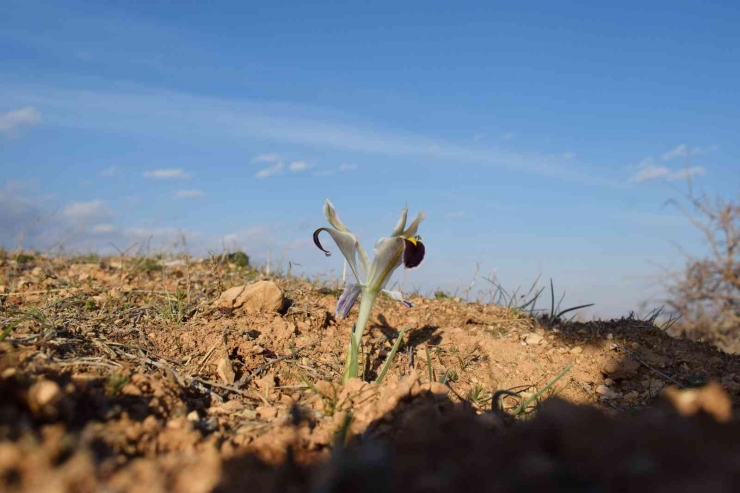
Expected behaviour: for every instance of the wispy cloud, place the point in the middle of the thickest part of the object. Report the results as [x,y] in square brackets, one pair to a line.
[190,194]
[110,171]
[507,136]
[684,151]
[86,211]
[662,172]
[299,166]
[275,169]
[13,120]
[166,174]
[348,167]
[141,110]
[104,229]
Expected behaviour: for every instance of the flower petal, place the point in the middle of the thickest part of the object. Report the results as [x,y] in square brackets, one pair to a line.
[411,230]
[347,300]
[347,243]
[401,222]
[388,257]
[331,215]
[398,296]
[413,253]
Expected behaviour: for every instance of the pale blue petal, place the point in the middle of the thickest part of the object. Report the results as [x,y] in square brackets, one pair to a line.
[347,300]
[388,257]
[411,230]
[401,222]
[398,296]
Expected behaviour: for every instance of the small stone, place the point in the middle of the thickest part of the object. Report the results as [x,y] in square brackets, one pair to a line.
[532,339]
[267,412]
[131,389]
[260,296]
[608,382]
[712,399]
[620,369]
[632,396]
[606,392]
[225,371]
[193,416]
[576,350]
[609,336]
[435,388]
[266,383]
[43,394]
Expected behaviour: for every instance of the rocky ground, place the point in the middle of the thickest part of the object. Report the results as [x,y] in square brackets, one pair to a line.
[125,374]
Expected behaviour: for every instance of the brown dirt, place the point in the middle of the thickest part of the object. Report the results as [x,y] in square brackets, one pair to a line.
[123,376]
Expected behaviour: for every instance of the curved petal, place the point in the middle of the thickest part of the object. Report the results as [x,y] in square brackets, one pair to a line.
[401,222]
[331,215]
[347,243]
[388,257]
[411,230]
[347,300]
[398,296]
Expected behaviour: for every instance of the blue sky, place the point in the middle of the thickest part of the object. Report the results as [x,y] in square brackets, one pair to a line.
[537,136]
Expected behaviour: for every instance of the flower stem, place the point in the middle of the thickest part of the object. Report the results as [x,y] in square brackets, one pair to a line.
[351,367]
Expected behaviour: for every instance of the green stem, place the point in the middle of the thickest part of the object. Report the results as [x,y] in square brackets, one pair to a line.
[351,367]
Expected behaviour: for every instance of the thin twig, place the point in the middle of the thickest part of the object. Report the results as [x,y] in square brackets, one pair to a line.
[248,378]
[650,367]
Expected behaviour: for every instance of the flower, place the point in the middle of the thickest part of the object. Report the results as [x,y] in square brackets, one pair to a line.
[404,246]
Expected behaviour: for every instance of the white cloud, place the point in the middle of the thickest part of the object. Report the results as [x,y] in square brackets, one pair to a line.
[661,172]
[166,174]
[684,174]
[143,111]
[684,151]
[13,119]
[189,194]
[275,169]
[348,167]
[266,158]
[680,151]
[650,173]
[507,136]
[110,171]
[86,211]
[299,166]
[569,155]
[104,229]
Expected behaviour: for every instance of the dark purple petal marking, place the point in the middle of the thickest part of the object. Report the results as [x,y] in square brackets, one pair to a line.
[318,243]
[413,253]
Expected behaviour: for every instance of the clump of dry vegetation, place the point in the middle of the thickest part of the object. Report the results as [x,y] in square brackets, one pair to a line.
[705,294]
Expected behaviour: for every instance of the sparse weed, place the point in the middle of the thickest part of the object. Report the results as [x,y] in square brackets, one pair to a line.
[115,382]
[238,258]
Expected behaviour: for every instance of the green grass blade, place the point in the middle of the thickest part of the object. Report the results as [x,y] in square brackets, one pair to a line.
[391,355]
[544,389]
[429,364]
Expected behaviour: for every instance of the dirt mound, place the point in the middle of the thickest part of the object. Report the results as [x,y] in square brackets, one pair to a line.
[129,375]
